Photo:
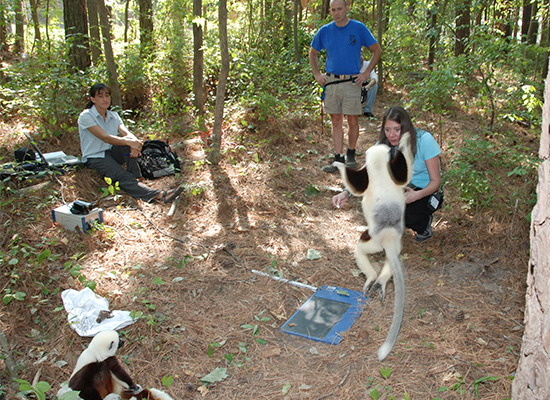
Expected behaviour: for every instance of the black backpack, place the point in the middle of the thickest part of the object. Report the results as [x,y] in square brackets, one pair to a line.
[158,159]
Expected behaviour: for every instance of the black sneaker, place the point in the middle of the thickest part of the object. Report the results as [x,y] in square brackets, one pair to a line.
[369,115]
[331,169]
[350,159]
[428,233]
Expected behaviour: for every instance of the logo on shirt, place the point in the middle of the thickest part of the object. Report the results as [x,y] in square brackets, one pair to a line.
[352,40]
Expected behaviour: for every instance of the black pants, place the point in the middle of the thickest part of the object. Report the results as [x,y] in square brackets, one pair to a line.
[111,167]
[417,215]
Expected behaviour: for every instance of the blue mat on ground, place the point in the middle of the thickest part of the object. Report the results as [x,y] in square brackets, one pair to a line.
[325,315]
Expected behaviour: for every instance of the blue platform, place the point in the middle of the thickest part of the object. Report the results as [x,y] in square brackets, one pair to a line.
[325,315]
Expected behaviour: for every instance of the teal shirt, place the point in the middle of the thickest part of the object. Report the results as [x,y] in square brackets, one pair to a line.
[426,148]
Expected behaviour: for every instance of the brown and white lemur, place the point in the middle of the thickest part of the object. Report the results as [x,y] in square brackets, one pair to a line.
[381,184]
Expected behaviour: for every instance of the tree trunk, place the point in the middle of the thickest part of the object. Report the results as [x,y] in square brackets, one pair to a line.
[116,98]
[94,31]
[126,20]
[19,44]
[198,58]
[433,34]
[325,9]
[35,21]
[462,26]
[526,18]
[214,155]
[146,28]
[295,30]
[532,380]
[76,33]
[533,30]
[3,25]
[381,16]
[546,42]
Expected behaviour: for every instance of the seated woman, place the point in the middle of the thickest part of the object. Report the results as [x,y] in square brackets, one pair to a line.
[426,177]
[105,151]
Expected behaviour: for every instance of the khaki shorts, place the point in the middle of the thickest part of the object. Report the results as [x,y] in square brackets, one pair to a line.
[342,98]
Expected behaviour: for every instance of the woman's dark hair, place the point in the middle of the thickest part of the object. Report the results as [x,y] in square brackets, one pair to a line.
[401,116]
[95,89]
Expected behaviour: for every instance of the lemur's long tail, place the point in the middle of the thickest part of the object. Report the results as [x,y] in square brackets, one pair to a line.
[399,306]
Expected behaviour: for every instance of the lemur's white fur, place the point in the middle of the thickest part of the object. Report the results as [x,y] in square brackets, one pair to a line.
[381,184]
[102,346]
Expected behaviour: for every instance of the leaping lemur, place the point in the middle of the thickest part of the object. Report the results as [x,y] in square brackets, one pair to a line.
[381,183]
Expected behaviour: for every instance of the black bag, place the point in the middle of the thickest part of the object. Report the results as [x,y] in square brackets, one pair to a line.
[435,202]
[24,154]
[158,159]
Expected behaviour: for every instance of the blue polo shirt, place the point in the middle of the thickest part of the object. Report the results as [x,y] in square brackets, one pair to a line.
[90,145]
[343,46]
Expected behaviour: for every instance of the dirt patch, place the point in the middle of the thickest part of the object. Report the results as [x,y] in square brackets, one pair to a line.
[191,276]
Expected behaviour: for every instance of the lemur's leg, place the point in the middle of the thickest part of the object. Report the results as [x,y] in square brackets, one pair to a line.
[365,246]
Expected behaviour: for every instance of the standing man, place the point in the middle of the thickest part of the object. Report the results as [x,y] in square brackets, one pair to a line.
[343,39]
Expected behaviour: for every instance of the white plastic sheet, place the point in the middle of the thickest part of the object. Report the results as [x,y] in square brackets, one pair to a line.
[83,309]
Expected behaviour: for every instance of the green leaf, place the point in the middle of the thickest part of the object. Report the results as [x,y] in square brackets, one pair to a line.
[312,190]
[286,388]
[42,256]
[158,281]
[261,341]
[218,375]
[247,326]
[385,372]
[167,381]
[229,357]
[13,261]
[374,393]
[342,292]
[19,296]
[211,348]
[43,386]
[72,395]
[7,299]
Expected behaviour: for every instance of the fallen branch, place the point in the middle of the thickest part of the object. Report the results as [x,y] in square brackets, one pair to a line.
[337,386]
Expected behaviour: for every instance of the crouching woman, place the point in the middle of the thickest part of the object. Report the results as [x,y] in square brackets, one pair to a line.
[426,177]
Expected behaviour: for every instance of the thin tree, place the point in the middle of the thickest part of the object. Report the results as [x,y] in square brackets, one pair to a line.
[146,28]
[94,31]
[198,57]
[295,30]
[109,55]
[381,17]
[533,30]
[76,33]
[126,20]
[526,17]
[35,21]
[3,25]
[462,9]
[433,33]
[18,47]
[214,155]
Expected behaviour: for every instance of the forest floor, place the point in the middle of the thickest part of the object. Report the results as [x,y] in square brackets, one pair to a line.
[190,274]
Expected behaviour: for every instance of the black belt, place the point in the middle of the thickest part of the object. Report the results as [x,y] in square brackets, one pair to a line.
[340,76]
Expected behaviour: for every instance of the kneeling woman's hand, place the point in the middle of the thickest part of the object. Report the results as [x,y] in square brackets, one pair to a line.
[340,200]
